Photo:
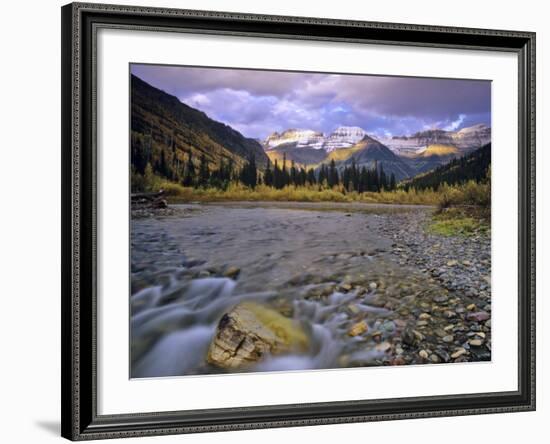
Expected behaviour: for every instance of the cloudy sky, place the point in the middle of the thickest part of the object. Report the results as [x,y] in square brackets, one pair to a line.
[257,103]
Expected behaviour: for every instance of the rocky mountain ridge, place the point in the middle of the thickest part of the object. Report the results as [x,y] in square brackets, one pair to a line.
[341,137]
[465,140]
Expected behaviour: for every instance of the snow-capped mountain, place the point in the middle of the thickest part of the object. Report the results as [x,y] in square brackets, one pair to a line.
[301,138]
[342,137]
[465,140]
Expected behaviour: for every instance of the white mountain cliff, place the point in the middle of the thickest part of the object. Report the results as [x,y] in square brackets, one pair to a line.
[342,137]
[300,138]
[465,140]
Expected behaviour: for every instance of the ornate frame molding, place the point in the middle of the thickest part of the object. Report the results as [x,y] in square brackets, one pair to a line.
[80,22]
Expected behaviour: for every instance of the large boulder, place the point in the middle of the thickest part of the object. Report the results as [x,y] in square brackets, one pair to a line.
[250,331]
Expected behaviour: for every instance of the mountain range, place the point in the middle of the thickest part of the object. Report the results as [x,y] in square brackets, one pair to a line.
[464,140]
[404,156]
[166,132]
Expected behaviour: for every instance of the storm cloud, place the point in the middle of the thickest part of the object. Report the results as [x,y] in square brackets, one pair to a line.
[257,103]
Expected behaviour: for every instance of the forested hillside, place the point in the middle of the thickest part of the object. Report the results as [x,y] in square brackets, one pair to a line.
[178,141]
[474,167]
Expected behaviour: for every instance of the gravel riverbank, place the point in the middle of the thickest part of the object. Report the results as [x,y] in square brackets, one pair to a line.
[367,283]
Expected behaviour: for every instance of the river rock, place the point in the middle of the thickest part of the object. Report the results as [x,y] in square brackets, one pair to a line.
[250,331]
[478,316]
[458,352]
[408,337]
[383,346]
[448,339]
[358,329]
[232,272]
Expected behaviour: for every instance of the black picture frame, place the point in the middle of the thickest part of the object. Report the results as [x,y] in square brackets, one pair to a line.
[80,22]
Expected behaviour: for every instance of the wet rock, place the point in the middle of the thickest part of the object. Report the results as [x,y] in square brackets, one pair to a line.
[478,316]
[358,329]
[481,354]
[305,279]
[373,285]
[250,331]
[159,204]
[344,256]
[388,326]
[443,355]
[383,346]
[398,360]
[232,272]
[458,352]
[193,263]
[407,336]
[376,336]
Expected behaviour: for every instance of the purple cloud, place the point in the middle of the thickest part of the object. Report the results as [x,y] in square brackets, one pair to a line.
[256,102]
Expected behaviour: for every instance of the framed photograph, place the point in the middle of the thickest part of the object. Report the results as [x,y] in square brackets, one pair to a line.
[280,221]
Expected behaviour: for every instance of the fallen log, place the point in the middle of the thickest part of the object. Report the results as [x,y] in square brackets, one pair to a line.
[147,196]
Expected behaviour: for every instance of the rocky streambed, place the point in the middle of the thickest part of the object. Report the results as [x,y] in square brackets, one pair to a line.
[291,286]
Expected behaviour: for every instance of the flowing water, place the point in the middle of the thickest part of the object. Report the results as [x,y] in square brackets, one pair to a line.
[297,258]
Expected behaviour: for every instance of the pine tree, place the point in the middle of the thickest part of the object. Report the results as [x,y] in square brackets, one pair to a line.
[363,180]
[375,178]
[393,184]
[268,175]
[383,178]
[323,175]
[333,179]
[138,155]
[311,177]
[163,168]
[253,171]
[149,177]
[354,175]
[249,174]
[228,176]
[284,173]
[277,176]
[302,177]
[345,178]
[293,174]
[204,173]
[189,176]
